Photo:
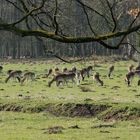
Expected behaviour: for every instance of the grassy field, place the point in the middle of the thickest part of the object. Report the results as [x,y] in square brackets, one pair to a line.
[35,111]
[24,126]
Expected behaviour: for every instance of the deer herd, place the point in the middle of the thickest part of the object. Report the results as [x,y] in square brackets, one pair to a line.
[62,77]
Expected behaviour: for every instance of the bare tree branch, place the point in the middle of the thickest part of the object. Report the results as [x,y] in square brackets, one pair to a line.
[112,15]
[50,30]
[55,17]
[29,13]
[15,6]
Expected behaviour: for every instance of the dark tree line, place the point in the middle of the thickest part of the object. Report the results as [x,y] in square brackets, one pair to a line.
[75,28]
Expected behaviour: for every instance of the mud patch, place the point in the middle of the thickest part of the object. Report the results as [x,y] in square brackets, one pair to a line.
[121,114]
[101,111]
[68,110]
[77,110]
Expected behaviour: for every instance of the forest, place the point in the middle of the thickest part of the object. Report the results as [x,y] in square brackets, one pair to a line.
[73,18]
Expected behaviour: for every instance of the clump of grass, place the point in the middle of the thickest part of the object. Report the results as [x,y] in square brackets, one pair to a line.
[74,127]
[54,130]
[104,126]
[86,89]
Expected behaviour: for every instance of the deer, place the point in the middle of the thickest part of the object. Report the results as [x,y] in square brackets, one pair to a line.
[131,68]
[89,71]
[27,76]
[63,78]
[65,70]
[110,71]
[9,71]
[129,77]
[86,72]
[49,73]
[137,72]
[16,74]
[96,78]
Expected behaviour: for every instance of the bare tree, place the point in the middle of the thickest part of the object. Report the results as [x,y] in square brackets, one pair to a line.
[52,22]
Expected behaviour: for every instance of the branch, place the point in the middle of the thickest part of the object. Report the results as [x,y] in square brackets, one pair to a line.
[28,14]
[93,10]
[15,6]
[125,43]
[55,55]
[67,39]
[87,17]
[112,15]
[55,15]
[100,42]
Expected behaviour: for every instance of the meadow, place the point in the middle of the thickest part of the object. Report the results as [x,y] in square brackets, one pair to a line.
[88,111]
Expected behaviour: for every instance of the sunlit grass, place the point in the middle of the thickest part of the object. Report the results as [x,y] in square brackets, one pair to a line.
[19,126]
[32,126]
[114,90]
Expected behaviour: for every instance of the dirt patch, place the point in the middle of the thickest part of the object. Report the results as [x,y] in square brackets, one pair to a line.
[68,110]
[77,110]
[101,111]
[121,114]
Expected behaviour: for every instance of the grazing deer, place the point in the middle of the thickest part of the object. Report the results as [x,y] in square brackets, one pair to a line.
[137,72]
[49,73]
[9,71]
[27,76]
[52,72]
[74,69]
[111,70]
[63,78]
[56,69]
[83,73]
[65,70]
[96,77]
[131,68]
[89,71]
[1,68]
[129,77]
[86,72]
[14,74]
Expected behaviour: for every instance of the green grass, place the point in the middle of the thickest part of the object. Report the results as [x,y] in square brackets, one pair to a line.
[114,90]
[24,126]
[36,94]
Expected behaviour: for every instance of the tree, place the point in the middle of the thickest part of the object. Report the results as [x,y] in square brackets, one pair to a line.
[102,19]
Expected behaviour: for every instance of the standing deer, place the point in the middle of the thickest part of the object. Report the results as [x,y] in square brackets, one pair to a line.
[96,77]
[129,77]
[27,76]
[16,74]
[111,70]
[63,78]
